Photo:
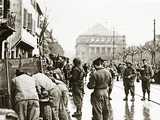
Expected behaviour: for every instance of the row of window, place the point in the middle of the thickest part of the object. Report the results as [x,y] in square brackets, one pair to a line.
[28,21]
[97,50]
[108,39]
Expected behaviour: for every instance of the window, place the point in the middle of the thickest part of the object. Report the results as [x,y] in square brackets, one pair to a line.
[109,51]
[25,18]
[12,54]
[29,21]
[0,2]
[97,50]
[34,27]
[92,50]
[33,2]
[38,21]
[103,50]
[1,12]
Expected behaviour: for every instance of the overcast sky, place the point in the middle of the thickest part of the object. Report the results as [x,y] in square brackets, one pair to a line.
[133,18]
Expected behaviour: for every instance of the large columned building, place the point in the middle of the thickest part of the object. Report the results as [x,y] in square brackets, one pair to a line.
[98,41]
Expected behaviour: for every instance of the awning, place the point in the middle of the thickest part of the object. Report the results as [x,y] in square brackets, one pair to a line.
[24,45]
[21,43]
[26,40]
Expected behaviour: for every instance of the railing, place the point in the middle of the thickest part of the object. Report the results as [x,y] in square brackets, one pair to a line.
[9,21]
[4,98]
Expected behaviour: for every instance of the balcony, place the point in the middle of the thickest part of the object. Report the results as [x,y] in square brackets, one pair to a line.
[7,25]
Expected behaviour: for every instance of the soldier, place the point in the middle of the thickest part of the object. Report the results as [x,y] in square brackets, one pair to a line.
[25,96]
[55,95]
[58,72]
[113,72]
[99,81]
[77,86]
[128,81]
[85,67]
[146,75]
[67,70]
[43,82]
[64,113]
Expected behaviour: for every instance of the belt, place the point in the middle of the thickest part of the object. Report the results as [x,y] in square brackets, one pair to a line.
[51,89]
[101,88]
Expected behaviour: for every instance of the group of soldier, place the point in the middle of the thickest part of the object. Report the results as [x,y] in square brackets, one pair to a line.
[101,80]
[41,95]
[47,92]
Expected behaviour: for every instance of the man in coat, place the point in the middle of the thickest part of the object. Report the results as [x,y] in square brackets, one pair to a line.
[25,96]
[54,93]
[100,81]
[128,81]
[146,75]
[77,84]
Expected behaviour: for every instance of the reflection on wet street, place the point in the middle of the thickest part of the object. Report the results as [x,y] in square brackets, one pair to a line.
[129,111]
[125,110]
[146,112]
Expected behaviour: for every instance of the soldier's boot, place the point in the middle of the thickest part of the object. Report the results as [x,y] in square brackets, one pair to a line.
[133,99]
[143,97]
[78,113]
[126,98]
[149,97]
[109,94]
[110,98]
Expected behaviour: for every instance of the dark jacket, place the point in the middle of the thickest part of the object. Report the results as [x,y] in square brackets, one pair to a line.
[77,74]
[146,73]
[129,74]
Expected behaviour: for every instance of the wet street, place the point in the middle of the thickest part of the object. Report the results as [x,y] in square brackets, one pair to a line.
[121,110]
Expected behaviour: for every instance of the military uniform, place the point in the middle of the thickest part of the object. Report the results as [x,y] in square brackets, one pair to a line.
[67,70]
[54,93]
[128,81]
[77,87]
[146,74]
[113,74]
[100,81]
[25,97]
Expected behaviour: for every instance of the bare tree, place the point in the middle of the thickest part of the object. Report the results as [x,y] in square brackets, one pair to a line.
[151,50]
[41,39]
[132,51]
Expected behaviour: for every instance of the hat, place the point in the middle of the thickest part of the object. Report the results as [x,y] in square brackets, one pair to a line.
[128,62]
[98,61]
[143,59]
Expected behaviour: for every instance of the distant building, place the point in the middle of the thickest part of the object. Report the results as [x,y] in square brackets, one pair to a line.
[27,28]
[98,42]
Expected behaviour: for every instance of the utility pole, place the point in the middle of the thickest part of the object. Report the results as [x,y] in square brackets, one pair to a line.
[113,44]
[7,74]
[154,42]
[123,48]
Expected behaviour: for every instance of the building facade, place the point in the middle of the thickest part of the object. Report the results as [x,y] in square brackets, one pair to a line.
[99,42]
[1,8]
[24,40]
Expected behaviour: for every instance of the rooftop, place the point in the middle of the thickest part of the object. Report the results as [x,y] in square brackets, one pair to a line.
[98,29]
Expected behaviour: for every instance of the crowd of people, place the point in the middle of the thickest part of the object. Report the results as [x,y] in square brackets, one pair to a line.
[45,94]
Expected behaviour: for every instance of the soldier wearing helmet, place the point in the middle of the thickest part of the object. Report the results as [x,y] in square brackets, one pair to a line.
[128,81]
[77,84]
